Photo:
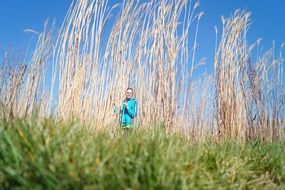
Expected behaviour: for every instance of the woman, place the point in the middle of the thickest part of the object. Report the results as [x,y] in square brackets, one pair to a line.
[128,110]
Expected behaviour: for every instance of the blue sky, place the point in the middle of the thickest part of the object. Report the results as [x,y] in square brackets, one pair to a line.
[268,20]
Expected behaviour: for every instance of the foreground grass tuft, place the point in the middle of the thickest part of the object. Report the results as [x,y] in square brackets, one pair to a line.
[46,155]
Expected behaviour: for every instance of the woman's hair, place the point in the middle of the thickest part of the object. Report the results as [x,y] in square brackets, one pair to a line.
[129,88]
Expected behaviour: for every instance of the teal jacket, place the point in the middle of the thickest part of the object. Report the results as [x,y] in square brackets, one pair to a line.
[127,115]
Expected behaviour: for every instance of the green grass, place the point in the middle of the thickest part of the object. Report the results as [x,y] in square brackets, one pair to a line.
[46,155]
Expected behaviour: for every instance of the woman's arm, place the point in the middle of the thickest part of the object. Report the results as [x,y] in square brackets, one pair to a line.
[132,110]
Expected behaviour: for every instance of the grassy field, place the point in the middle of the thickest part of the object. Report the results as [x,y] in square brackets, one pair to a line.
[80,69]
[46,155]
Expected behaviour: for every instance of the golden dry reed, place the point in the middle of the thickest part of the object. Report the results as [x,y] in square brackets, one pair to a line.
[82,71]
[249,97]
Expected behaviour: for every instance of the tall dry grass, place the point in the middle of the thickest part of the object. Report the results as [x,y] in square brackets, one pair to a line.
[267,95]
[11,76]
[147,48]
[230,61]
[23,86]
[249,97]
[82,71]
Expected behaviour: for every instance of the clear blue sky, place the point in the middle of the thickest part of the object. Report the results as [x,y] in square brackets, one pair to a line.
[268,20]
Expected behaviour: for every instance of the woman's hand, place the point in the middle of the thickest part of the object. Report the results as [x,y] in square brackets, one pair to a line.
[126,105]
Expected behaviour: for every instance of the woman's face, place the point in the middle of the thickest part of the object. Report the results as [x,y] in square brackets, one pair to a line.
[129,93]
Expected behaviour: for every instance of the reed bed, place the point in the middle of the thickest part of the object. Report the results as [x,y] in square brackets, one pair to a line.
[80,71]
[249,96]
